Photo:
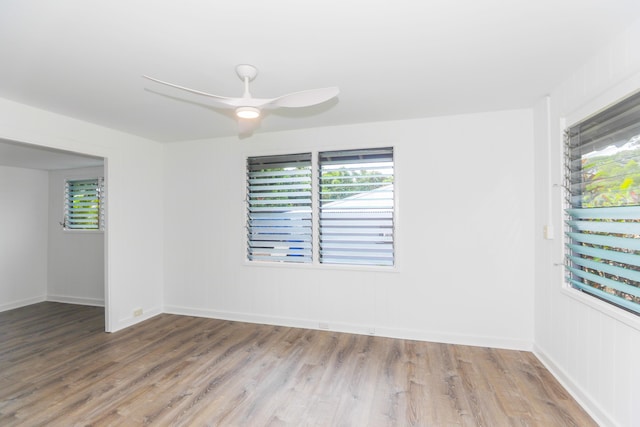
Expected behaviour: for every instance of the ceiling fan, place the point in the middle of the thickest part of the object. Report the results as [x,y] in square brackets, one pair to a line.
[249,108]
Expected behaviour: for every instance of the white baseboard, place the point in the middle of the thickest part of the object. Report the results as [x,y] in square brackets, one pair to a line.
[417,335]
[22,303]
[582,397]
[410,334]
[241,317]
[76,300]
[132,320]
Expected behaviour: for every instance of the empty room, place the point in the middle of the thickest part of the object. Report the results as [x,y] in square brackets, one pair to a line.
[320,213]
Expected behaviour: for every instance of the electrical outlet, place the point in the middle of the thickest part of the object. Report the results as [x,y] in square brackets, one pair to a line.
[137,312]
[323,325]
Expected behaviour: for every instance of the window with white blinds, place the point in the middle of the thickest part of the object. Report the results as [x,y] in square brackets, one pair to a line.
[279,221]
[603,215]
[356,207]
[83,204]
[342,201]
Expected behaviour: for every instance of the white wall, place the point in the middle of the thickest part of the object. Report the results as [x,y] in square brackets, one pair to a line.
[75,258]
[592,347]
[23,236]
[134,212]
[464,234]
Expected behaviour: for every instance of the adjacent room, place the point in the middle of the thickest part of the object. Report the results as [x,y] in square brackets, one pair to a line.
[319,213]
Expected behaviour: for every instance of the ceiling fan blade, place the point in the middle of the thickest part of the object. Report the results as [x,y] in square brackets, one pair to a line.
[305,98]
[221,99]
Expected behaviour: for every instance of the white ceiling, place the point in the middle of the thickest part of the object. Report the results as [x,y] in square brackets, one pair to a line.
[391,59]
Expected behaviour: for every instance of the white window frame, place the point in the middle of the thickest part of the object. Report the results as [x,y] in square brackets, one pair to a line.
[101,194]
[628,316]
[279,229]
[316,264]
[370,239]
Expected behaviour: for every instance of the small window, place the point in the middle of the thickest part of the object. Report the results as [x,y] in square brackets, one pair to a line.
[356,207]
[603,214]
[279,218]
[84,204]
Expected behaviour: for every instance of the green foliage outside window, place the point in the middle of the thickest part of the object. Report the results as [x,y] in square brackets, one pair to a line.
[341,183]
[612,180]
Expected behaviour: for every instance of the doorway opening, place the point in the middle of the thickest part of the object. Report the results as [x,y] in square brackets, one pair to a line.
[42,259]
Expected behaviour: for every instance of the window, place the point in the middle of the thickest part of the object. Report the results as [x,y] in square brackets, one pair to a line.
[356,207]
[352,211]
[603,214]
[279,208]
[83,205]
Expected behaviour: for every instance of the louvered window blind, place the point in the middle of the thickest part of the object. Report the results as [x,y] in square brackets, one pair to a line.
[603,215]
[356,207]
[84,201]
[279,219]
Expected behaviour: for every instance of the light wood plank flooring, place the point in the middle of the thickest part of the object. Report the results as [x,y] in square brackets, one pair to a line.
[58,368]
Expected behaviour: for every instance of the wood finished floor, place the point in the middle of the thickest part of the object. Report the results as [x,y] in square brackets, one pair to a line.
[58,368]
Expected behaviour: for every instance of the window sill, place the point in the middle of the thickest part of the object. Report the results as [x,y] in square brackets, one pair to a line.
[80,232]
[622,316]
[322,267]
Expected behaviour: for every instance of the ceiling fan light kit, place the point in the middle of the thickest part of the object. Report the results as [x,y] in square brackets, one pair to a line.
[248,112]
[248,107]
